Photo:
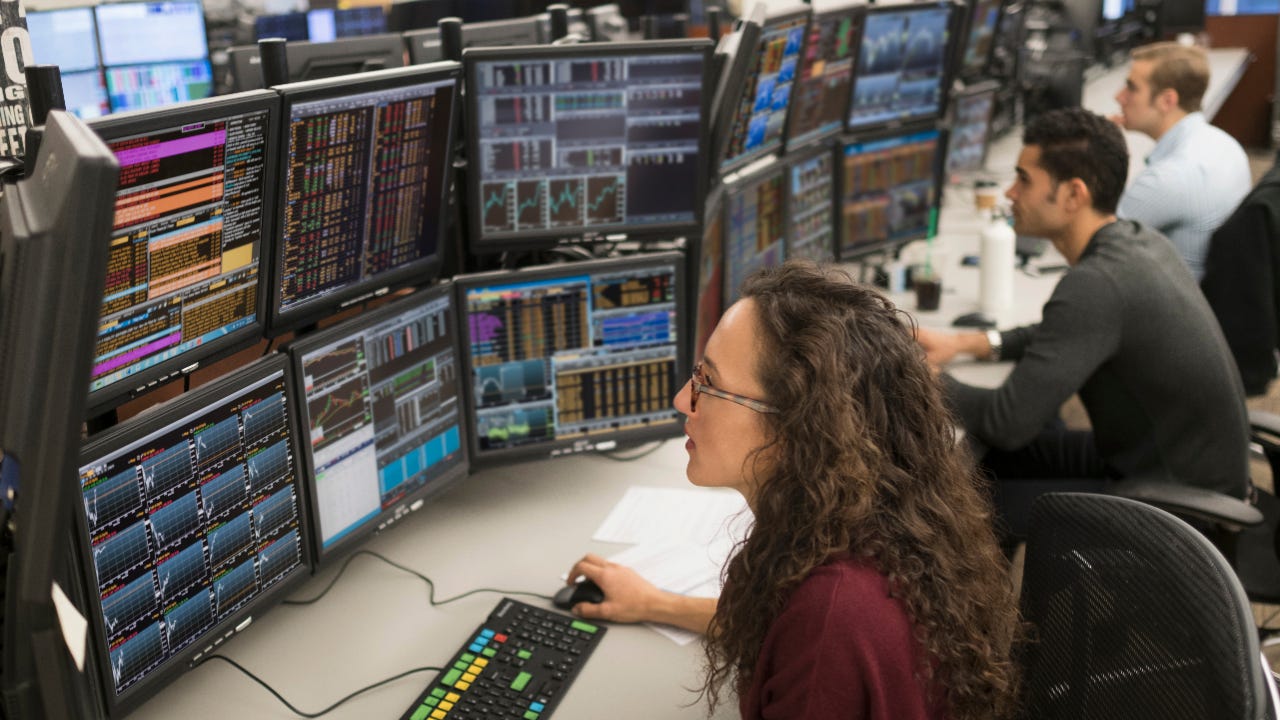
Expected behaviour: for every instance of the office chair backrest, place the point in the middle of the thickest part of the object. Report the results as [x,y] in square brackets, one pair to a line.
[1242,282]
[1134,615]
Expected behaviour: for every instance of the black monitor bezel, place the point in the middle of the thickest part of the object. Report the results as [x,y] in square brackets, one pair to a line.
[541,239]
[559,447]
[421,271]
[939,177]
[132,431]
[411,502]
[732,186]
[987,87]
[850,8]
[137,122]
[423,46]
[955,23]
[828,148]
[738,86]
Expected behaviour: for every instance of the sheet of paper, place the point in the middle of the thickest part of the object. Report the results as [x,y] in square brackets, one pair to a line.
[656,515]
[679,567]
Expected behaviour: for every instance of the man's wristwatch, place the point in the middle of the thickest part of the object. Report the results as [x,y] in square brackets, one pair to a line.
[993,339]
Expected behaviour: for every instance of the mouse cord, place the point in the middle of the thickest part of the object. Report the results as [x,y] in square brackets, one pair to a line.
[303,713]
[431,586]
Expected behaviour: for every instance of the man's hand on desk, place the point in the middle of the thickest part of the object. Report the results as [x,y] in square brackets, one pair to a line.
[941,346]
[629,598]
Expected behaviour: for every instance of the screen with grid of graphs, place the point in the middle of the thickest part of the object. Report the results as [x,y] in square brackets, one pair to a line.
[578,142]
[191,519]
[363,188]
[890,189]
[576,357]
[193,215]
[382,405]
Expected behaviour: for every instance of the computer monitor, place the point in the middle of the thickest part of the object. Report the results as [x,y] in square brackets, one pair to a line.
[380,396]
[902,72]
[709,293]
[472,11]
[1182,16]
[51,273]
[755,226]
[363,192]
[290,26]
[1116,10]
[820,97]
[811,208]
[424,46]
[190,524]
[980,38]
[318,60]
[756,104]
[194,215]
[971,111]
[67,38]
[154,53]
[418,14]
[571,358]
[890,190]
[579,142]
[494,33]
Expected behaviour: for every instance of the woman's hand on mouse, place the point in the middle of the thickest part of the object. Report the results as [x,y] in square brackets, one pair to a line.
[628,597]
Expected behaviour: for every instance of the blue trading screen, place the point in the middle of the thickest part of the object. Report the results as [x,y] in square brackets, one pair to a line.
[982,34]
[382,409]
[755,231]
[189,524]
[576,356]
[154,53]
[821,93]
[970,128]
[67,38]
[184,262]
[138,87]
[901,66]
[811,184]
[586,144]
[890,190]
[363,183]
[759,120]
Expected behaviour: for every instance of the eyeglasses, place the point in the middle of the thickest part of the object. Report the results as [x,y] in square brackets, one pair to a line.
[698,385]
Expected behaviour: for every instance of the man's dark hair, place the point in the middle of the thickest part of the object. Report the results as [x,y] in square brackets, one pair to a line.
[1075,143]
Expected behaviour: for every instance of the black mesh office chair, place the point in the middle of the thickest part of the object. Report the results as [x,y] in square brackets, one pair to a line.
[1134,615]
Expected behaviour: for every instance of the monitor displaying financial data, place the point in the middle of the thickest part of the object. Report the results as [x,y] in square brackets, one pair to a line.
[902,65]
[755,226]
[68,38]
[890,188]
[381,403]
[578,142]
[811,190]
[575,357]
[820,97]
[154,53]
[970,128]
[190,521]
[193,215]
[981,39]
[321,24]
[758,102]
[363,189]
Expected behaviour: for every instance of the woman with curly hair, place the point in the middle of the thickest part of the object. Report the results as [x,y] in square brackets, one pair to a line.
[871,584]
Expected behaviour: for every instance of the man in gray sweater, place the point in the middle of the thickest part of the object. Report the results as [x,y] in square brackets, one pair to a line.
[1126,327]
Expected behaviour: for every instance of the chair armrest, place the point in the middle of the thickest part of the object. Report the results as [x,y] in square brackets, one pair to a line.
[1190,501]
[1264,429]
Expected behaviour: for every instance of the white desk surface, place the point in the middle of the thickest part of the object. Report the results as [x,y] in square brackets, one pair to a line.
[521,527]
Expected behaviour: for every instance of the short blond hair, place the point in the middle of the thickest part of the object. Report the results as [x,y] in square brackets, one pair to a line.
[1181,68]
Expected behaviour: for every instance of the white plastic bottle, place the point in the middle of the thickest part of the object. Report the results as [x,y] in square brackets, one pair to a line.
[997,258]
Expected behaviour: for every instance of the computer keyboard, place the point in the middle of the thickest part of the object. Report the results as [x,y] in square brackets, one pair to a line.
[518,664]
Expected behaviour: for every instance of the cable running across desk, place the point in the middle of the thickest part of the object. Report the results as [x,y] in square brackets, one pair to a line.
[431,586]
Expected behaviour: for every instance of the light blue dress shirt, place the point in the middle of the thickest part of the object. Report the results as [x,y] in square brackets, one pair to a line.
[1194,179]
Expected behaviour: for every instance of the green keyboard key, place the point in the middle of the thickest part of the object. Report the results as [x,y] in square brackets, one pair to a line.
[421,713]
[451,677]
[524,654]
[584,627]
[521,680]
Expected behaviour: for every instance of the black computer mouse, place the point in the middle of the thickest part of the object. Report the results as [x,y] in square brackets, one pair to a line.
[585,591]
[974,320]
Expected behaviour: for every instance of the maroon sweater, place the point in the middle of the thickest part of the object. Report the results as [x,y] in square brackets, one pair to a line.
[841,648]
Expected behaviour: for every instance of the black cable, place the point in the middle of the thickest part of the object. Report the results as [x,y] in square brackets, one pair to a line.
[431,586]
[615,456]
[303,713]
[186,382]
[270,344]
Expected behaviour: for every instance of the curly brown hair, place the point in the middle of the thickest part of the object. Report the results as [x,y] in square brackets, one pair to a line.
[862,459]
